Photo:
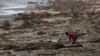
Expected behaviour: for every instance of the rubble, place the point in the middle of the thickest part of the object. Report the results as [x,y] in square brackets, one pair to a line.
[45,31]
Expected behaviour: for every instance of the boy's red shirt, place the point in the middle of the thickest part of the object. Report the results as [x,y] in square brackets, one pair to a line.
[72,35]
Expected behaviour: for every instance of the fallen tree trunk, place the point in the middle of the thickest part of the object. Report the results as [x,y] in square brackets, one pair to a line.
[40,45]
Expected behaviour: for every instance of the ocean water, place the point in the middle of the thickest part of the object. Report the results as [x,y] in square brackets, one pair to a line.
[11,7]
[7,11]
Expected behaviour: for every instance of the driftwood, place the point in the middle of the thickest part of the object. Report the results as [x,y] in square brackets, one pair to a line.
[40,45]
